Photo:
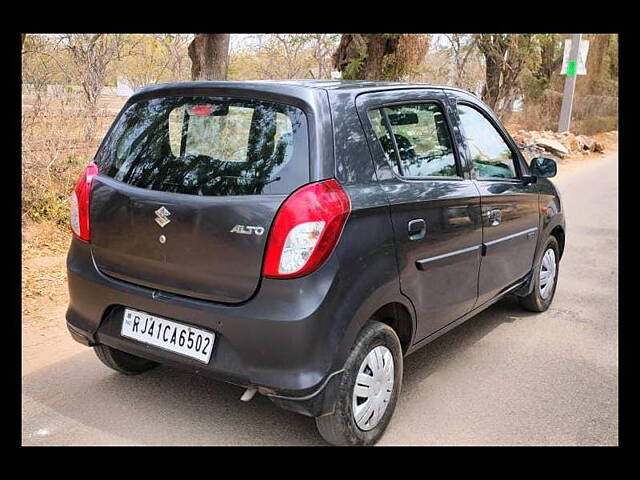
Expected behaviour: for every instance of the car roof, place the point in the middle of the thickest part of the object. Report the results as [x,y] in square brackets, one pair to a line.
[357,86]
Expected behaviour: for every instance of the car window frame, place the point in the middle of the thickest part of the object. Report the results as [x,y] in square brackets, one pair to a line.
[517,158]
[376,104]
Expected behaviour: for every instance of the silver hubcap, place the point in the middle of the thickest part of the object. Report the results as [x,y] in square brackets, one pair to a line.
[374,385]
[547,273]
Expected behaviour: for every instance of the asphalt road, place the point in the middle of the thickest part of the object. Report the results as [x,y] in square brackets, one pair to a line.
[505,377]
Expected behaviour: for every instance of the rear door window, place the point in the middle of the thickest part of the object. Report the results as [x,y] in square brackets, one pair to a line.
[422,138]
[208,146]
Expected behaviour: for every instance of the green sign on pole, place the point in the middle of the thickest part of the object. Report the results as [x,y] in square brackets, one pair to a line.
[572,66]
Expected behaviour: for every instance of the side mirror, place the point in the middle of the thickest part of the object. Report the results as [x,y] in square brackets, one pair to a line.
[543,167]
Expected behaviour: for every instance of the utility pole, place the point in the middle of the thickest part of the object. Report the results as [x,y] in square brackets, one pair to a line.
[570,84]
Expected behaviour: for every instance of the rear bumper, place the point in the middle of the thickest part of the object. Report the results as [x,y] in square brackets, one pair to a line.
[281,341]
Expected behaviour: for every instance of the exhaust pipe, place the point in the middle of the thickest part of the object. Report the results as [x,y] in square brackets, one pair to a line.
[248,394]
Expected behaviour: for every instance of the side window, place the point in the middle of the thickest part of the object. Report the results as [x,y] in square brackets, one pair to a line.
[422,137]
[491,156]
[382,134]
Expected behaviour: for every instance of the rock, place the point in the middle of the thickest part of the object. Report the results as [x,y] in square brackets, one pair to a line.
[597,147]
[569,141]
[584,144]
[552,146]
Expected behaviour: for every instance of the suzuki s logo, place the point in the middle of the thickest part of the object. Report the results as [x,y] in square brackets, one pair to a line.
[247,230]
[162,215]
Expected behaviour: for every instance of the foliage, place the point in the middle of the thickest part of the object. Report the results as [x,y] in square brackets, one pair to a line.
[284,56]
[153,58]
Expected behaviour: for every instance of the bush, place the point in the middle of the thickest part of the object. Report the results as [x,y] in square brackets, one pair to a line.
[54,152]
[47,205]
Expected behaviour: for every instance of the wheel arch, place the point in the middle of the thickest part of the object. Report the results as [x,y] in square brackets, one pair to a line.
[393,309]
[558,234]
[399,318]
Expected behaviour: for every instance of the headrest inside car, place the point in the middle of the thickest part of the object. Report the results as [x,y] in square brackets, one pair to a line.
[403,118]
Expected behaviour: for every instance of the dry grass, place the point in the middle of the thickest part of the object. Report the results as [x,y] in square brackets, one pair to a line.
[55,148]
[54,152]
[44,245]
[591,114]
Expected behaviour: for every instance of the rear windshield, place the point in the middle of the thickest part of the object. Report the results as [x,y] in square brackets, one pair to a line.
[208,146]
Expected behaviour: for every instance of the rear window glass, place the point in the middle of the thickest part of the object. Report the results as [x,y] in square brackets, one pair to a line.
[208,146]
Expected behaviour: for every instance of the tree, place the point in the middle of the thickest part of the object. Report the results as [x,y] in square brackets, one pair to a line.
[40,67]
[92,54]
[154,58]
[322,45]
[551,50]
[380,56]
[283,56]
[505,55]
[598,78]
[209,54]
[177,50]
[462,48]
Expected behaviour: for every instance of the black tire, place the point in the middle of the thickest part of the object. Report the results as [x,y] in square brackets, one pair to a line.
[339,427]
[534,301]
[122,362]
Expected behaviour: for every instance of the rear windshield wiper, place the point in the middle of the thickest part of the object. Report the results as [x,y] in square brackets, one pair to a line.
[275,179]
[264,182]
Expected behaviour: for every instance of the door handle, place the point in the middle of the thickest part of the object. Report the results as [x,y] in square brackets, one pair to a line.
[417,229]
[494,216]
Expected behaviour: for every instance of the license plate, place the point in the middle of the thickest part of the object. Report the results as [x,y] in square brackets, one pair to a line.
[168,335]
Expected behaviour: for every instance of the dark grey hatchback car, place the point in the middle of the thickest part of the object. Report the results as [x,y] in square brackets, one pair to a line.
[300,238]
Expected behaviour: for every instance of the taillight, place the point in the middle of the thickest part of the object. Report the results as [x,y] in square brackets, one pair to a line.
[80,203]
[306,229]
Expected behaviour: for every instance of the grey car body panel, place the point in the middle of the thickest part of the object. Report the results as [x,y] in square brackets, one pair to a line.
[200,256]
[509,246]
[438,272]
[291,337]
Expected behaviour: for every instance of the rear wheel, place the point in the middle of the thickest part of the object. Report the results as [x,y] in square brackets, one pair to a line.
[368,391]
[122,362]
[545,279]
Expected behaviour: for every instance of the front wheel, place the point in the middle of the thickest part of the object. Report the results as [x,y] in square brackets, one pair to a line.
[545,279]
[368,391]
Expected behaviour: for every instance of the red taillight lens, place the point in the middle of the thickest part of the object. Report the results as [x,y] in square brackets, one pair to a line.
[80,203]
[306,229]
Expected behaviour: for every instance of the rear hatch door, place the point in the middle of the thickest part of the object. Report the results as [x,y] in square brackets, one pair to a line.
[188,188]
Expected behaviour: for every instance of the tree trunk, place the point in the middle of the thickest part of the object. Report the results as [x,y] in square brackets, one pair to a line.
[599,44]
[377,47]
[550,60]
[491,90]
[362,57]
[209,54]
[505,57]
